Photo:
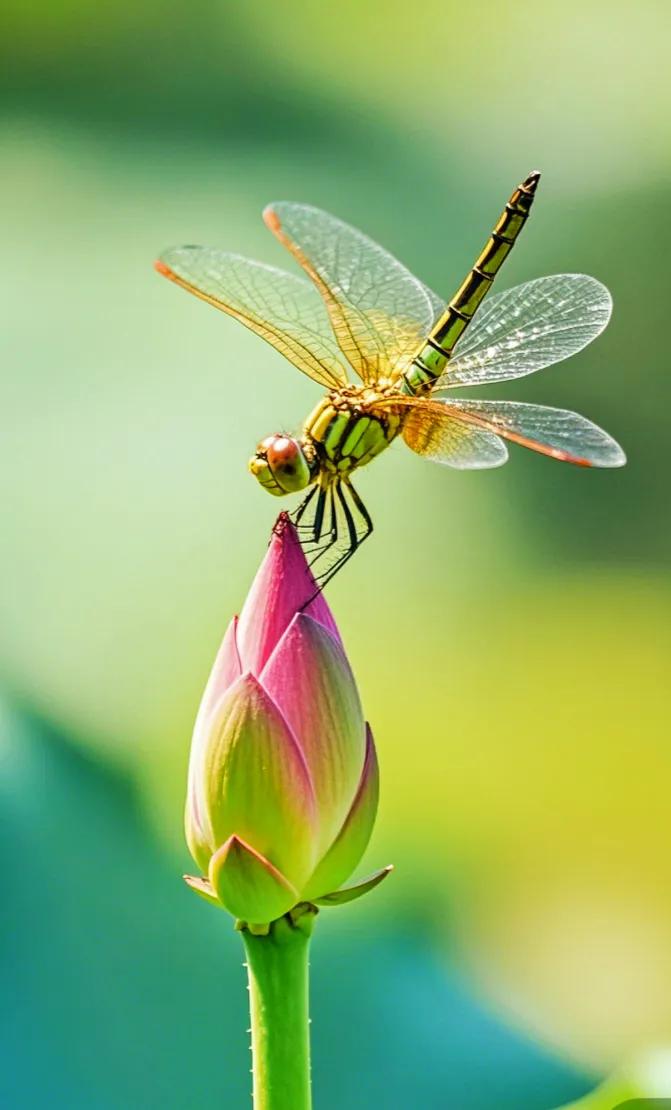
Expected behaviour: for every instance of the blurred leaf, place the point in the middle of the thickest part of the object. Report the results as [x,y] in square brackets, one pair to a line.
[644,1084]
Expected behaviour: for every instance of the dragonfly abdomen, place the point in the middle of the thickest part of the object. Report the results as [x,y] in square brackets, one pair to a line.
[345,436]
[430,361]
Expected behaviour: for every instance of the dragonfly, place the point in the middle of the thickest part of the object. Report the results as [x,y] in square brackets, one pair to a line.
[387,350]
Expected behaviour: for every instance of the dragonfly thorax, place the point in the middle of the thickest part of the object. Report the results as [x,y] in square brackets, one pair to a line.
[283,464]
[345,431]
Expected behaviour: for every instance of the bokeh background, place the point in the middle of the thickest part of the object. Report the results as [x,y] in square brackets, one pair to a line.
[509,630]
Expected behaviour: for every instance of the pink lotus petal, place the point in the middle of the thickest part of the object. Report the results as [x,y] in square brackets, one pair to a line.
[248,885]
[310,680]
[256,783]
[283,586]
[352,840]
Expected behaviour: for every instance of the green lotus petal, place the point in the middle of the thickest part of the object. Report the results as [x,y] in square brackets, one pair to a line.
[256,785]
[309,678]
[197,827]
[350,844]
[354,890]
[248,885]
[203,887]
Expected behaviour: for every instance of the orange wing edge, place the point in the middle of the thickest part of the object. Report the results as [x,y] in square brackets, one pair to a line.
[524,441]
[491,426]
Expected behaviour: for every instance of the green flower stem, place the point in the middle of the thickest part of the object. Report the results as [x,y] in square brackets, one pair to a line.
[277,964]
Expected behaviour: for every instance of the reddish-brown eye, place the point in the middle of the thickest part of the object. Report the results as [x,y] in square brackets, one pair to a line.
[286,462]
[282,452]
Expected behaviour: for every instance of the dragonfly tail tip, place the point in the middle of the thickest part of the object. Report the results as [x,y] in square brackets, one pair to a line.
[531,182]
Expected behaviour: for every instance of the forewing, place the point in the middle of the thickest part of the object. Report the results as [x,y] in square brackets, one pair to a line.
[558,433]
[438,305]
[529,327]
[431,429]
[283,309]
[379,312]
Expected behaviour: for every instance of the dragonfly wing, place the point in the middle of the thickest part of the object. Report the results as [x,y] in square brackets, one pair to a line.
[283,309]
[558,433]
[379,312]
[438,305]
[529,327]
[431,429]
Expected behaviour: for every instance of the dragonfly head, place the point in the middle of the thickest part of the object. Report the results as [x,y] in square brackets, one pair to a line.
[280,465]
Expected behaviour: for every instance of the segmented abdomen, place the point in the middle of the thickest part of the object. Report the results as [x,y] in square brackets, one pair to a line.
[431,360]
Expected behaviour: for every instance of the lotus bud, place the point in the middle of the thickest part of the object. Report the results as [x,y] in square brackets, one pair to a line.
[283,776]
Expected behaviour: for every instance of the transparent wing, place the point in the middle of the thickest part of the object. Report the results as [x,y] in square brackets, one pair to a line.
[283,309]
[431,429]
[529,327]
[379,312]
[438,305]
[558,433]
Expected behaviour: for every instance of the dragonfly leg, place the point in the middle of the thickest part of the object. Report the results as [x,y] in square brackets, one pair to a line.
[355,536]
[319,515]
[358,527]
[334,516]
[310,530]
[300,511]
[320,549]
[310,525]
[363,512]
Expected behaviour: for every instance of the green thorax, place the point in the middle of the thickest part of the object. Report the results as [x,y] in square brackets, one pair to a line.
[435,352]
[344,434]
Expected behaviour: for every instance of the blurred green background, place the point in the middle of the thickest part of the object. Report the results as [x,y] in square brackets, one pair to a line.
[522,948]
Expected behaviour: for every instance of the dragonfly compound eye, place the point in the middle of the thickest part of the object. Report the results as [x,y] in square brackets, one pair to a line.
[280,465]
